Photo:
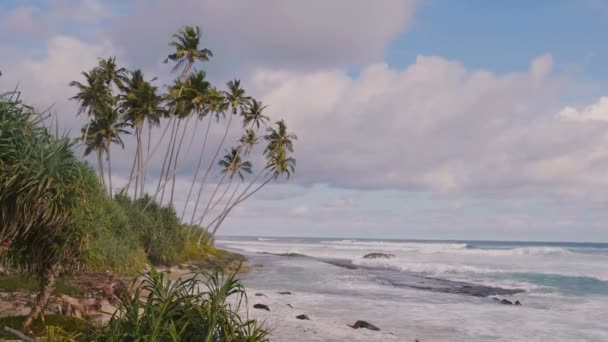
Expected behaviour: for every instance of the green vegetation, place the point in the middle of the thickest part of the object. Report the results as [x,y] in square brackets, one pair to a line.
[23,282]
[69,325]
[183,310]
[58,215]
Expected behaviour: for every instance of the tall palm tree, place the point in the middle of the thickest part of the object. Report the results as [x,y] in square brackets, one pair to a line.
[235,99]
[108,128]
[187,50]
[232,164]
[140,104]
[110,73]
[94,96]
[253,115]
[248,140]
[235,96]
[280,143]
[95,142]
[279,139]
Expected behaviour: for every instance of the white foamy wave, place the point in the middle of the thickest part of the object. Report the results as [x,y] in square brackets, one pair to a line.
[266,239]
[396,245]
[521,251]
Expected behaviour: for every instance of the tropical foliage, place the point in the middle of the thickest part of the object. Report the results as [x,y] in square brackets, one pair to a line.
[56,215]
[188,309]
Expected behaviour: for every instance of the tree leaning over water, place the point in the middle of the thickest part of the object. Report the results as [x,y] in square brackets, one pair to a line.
[191,97]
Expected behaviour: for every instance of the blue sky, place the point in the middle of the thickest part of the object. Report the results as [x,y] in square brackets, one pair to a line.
[416,119]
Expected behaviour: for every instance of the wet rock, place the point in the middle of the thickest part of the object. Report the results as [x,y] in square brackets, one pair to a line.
[364,325]
[517,302]
[260,294]
[506,302]
[261,307]
[291,306]
[284,293]
[378,256]
[303,317]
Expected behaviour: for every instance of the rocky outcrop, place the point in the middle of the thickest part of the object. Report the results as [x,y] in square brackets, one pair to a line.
[378,256]
[364,325]
[303,317]
[261,307]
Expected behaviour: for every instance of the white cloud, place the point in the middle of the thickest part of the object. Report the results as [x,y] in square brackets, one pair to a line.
[435,125]
[292,33]
[594,112]
[44,81]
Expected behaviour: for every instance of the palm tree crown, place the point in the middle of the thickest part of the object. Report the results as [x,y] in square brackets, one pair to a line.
[279,139]
[254,114]
[233,164]
[140,101]
[187,50]
[235,96]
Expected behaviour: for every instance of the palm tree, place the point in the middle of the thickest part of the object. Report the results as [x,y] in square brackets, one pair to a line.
[280,143]
[110,73]
[140,104]
[108,128]
[95,142]
[278,139]
[234,98]
[232,164]
[187,49]
[248,140]
[94,96]
[254,114]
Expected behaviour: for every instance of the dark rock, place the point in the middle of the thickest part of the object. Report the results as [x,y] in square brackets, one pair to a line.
[284,293]
[260,294]
[506,302]
[378,255]
[291,306]
[261,307]
[517,302]
[364,325]
[303,317]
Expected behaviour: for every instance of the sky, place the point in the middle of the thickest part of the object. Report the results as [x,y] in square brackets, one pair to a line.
[425,119]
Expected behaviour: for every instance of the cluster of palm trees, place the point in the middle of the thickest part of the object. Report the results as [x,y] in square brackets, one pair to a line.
[118,102]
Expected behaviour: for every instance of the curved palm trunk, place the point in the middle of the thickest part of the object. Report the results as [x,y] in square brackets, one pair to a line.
[126,188]
[170,151]
[109,167]
[140,163]
[144,169]
[176,163]
[237,202]
[223,211]
[226,206]
[198,168]
[102,176]
[47,285]
[162,137]
[162,171]
[212,197]
[221,196]
[217,152]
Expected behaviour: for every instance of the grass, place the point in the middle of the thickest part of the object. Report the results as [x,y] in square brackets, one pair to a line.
[21,282]
[38,328]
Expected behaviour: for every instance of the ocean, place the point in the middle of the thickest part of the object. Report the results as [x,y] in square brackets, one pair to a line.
[427,290]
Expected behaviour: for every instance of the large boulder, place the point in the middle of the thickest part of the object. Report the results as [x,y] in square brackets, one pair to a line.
[261,307]
[364,325]
[378,256]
